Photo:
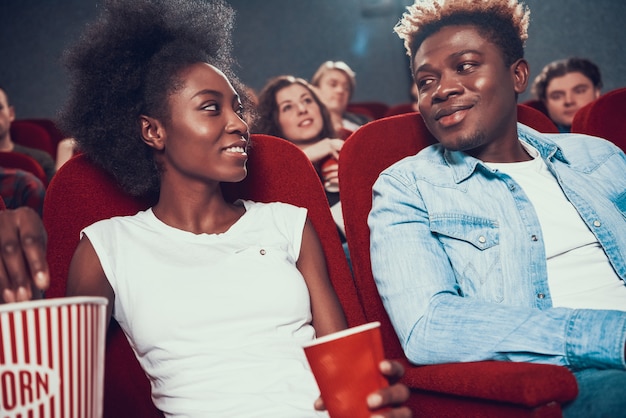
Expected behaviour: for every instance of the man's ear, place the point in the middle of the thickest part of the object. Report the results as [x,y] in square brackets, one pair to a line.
[520,72]
[152,132]
[596,93]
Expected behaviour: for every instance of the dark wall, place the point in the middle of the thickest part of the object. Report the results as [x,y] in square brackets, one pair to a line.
[294,36]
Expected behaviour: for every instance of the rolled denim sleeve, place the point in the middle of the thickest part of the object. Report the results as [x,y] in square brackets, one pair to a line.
[436,323]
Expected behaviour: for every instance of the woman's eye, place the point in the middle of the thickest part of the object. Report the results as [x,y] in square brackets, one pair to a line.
[211,107]
[308,100]
[286,108]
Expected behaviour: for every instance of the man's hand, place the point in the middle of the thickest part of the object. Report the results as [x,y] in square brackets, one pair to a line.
[24,271]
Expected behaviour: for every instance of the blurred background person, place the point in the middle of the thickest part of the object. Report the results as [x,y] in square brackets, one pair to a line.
[289,108]
[66,148]
[7,116]
[335,83]
[564,86]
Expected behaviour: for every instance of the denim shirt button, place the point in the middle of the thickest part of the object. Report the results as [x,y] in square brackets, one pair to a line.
[482,239]
[533,237]
[596,223]
[262,252]
[541,295]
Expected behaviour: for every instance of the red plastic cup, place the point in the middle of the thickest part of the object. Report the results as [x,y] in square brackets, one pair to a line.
[346,367]
[52,358]
[329,166]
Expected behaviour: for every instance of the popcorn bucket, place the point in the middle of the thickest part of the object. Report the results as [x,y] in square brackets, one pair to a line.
[52,358]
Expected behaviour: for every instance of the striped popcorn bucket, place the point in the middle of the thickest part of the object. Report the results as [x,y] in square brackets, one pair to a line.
[52,358]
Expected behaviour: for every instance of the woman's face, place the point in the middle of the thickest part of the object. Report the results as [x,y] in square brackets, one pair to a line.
[334,90]
[205,138]
[299,115]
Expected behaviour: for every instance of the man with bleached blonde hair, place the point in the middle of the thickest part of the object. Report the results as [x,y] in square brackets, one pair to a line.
[500,242]
[335,82]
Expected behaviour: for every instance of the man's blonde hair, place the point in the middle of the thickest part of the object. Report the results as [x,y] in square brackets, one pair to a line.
[428,13]
[335,65]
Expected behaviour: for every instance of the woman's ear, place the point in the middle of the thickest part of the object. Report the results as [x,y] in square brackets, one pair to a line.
[152,132]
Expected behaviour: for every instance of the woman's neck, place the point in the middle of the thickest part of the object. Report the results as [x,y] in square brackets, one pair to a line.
[196,209]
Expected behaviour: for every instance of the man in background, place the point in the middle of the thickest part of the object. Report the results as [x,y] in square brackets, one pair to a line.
[565,86]
[7,116]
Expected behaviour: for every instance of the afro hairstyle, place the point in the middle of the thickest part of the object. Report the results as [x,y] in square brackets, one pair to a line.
[126,64]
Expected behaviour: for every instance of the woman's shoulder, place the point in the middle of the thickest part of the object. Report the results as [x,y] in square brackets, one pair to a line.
[142,217]
[276,208]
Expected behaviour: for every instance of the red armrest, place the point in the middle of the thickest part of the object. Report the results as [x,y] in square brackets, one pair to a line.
[526,384]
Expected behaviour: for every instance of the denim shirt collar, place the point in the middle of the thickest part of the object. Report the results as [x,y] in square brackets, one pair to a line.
[464,165]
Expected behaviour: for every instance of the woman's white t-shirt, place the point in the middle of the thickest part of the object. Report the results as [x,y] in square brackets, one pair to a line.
[217,321]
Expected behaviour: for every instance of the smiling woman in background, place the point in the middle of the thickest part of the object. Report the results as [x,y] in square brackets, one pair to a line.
[289,108]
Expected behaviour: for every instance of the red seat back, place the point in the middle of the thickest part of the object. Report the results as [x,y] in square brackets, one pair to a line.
[536,104]
[370,150]
[32,135]
[375,110]
[536,119]
[56,135]
[604,117]
[399,109]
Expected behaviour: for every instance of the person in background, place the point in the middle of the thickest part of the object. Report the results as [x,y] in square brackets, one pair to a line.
[335,83]
[289,108]
[7,116]
[215,297]
[66,148]
[500,242]
[20,188]
[565,86]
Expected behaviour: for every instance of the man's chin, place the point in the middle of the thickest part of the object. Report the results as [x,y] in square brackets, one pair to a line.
[462,143]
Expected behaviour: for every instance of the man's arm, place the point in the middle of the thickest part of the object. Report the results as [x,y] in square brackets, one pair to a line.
[437,324]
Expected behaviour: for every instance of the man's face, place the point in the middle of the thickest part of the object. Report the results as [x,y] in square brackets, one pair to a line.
[7,114]
[334,90]
[568,93]
[466,94]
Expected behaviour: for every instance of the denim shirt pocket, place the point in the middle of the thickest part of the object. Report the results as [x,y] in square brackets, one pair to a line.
[472,246]
[620,203]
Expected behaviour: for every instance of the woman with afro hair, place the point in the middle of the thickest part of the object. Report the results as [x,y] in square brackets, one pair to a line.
[154,103]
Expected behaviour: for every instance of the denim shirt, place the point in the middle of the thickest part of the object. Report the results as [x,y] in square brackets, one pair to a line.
[459,259]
